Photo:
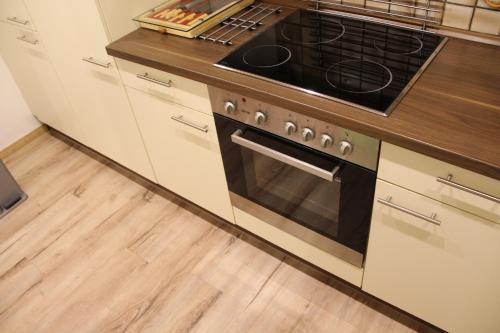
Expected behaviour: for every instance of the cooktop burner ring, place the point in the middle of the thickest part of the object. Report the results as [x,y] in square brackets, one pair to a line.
[418,49]
[359,77]
[329,40]
[283,58]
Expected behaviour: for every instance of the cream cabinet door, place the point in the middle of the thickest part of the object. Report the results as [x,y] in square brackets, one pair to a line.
[446,274]
[15,12]
[75,39]
[119,14]
[184,150]
[24,54]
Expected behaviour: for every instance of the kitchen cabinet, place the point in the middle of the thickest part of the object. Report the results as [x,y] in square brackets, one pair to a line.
[16,13]
[118,14]
[75,40]
[184,150]
[24,54]
[174,88]
[442,268]
[466,190]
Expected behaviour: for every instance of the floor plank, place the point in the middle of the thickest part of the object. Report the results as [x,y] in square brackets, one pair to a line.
[16,282]
[96,249]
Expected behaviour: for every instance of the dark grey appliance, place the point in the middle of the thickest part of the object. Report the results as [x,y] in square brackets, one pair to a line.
[350,60]
[311,179]
[11,194]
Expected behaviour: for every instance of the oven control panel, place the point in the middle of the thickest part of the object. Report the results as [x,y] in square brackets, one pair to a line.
[326,137]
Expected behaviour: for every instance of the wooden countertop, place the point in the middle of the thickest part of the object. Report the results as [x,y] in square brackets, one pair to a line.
[451,113]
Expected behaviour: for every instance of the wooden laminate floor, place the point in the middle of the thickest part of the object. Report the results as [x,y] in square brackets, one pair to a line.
[95,250]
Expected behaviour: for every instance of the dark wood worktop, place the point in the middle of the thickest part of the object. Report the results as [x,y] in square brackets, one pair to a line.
[452,112]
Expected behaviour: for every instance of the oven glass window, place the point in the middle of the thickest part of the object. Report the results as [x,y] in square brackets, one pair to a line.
[338,208]
[291,192]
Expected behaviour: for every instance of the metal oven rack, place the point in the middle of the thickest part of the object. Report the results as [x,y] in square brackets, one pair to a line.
[421,12]
[232,27]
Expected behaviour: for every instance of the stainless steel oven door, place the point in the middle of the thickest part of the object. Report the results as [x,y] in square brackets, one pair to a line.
[315,197]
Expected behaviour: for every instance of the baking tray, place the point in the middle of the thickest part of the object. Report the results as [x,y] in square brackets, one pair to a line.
[189,18]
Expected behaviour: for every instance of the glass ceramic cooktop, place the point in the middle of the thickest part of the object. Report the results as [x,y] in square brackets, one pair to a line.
[362,63]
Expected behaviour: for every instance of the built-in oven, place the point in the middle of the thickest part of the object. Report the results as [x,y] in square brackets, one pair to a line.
[320,198]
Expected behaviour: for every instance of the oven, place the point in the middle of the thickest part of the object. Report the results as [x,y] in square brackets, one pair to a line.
[317,197]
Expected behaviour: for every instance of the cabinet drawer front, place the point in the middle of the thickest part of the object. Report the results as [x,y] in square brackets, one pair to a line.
[171,87]
[446,274]
[429,176]
[15,12]
[26,39]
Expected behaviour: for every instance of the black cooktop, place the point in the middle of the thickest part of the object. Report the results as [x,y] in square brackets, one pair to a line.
[362,63]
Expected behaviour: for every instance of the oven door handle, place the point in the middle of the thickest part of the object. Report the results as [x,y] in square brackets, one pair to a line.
[237,138]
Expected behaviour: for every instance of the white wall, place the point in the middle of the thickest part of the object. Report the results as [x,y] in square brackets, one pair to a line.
[16,119]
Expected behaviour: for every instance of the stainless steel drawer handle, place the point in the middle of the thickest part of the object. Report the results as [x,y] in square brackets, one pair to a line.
[26,40]
[448,181]
[292,161]
[146,77]
[181,120]
[17,20]
[97,62]
[432,219]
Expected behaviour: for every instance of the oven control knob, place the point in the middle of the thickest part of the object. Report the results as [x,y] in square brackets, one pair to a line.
[346,147]
[308,134]
[290,127]
[229,107]
[260,117]
[326,140]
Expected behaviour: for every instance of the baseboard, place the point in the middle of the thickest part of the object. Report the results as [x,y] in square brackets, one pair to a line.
[11,149]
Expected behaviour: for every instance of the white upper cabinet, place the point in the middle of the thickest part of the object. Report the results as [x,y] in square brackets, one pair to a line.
[119,14]
[16,13]
[75,39]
